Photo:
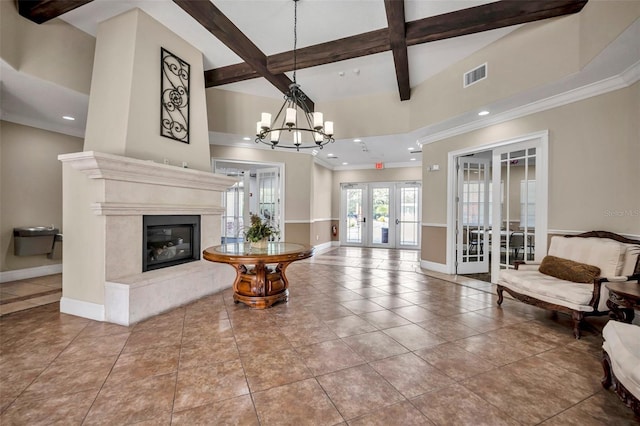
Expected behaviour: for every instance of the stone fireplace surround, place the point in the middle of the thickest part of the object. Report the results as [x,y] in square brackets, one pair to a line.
[106,196]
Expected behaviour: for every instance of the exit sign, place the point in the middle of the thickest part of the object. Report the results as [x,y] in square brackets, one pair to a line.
[379,166]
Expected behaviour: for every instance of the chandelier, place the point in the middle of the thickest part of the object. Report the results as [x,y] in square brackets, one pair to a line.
[295,125]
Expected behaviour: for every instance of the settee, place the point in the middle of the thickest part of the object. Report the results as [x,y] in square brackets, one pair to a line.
[621,362]
[608,257]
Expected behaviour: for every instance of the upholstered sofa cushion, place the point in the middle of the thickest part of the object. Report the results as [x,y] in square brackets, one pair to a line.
[630,259]
[606,254]
[569,270]
[622,343]
[549,289]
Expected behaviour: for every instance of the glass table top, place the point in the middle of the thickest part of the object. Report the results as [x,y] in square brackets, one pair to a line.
[245,249]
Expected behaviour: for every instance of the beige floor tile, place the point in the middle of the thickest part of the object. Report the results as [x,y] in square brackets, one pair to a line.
[411,375]
[212,383]
[299,403]
[403,413]
[329,356]
[272,369]
[234,411]
[133,401]
[358,391]
[300,362]
[456,405]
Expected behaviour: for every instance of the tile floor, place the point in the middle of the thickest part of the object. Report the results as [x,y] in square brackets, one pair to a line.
[364,340]
[28,293]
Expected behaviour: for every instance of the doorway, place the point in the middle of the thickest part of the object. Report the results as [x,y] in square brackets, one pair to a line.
[385,214]
[498,206]
[259,190]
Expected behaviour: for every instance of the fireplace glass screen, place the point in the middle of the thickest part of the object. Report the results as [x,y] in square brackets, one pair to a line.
[170,240]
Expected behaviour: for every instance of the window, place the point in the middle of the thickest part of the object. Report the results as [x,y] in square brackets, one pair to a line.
[528,203]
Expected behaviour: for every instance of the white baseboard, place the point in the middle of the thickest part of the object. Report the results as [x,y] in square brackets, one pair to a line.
[23,274]
[433,266]
[326,246]
[82,309]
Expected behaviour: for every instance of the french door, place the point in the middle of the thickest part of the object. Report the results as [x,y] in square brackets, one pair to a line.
[381,215]
[473,207]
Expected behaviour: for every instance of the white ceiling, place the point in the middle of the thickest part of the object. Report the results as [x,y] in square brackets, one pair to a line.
[269,24]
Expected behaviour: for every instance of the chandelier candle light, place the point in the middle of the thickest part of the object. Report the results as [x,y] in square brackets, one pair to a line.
[306,128]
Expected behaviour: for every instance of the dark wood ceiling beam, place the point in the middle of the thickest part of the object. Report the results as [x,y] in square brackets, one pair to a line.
[211,18]
[487,17]
[41,11]
[507,12]
[396,22]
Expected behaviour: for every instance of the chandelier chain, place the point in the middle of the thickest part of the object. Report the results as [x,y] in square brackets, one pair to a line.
[295,37]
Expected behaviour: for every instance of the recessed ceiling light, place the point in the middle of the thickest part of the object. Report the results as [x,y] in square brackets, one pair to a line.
[68,117]
[329,155]
[344,164]
[411,148]
[481,113]
[246,139]
[413,159]
[357,140]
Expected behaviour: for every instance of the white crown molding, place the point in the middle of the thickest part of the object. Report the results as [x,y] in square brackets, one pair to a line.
[625,79]
[398,165]
[98,165]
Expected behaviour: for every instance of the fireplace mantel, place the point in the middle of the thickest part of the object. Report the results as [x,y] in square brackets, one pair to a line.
[98,165]
[105,197]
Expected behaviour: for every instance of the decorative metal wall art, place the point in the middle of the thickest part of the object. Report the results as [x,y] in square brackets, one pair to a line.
[174,101]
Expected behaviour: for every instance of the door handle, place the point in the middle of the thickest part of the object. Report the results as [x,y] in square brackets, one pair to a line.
[364,220]
[397,221]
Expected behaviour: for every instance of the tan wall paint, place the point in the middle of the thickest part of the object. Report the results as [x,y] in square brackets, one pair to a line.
[297,175]
[30,186]
[298,233]
[434,239]
[322,180]
[320,232]
[46,50]
[126,89]
[601,22]
[593,156]
[237,113]
[369,175]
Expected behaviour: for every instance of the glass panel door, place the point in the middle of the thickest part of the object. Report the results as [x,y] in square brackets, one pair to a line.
[268,196]
[522,213]
[407,215]
[472,215]
[233,215]
[353,218]
[379,213]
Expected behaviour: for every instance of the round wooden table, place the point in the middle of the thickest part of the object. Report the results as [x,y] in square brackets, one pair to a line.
[258,285]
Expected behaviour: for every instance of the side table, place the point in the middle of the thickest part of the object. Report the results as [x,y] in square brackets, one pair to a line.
[624,298]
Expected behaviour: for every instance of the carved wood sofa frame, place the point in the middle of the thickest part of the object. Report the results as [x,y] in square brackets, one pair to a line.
[610,380]
[577,316]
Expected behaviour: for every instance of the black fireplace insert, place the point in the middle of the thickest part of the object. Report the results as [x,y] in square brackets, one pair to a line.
[169,240]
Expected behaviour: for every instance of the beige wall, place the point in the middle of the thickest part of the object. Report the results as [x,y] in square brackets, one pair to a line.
[297,171]
[124,106]
[47,50]
[369,175]
[593,162]
[31,187]
[434,238]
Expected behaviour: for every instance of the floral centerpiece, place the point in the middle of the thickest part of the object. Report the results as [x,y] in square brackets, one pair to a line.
[259,232]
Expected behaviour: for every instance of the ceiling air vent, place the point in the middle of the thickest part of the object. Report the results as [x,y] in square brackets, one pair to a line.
[475,75]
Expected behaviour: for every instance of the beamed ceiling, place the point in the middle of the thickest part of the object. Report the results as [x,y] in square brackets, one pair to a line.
[396,37]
